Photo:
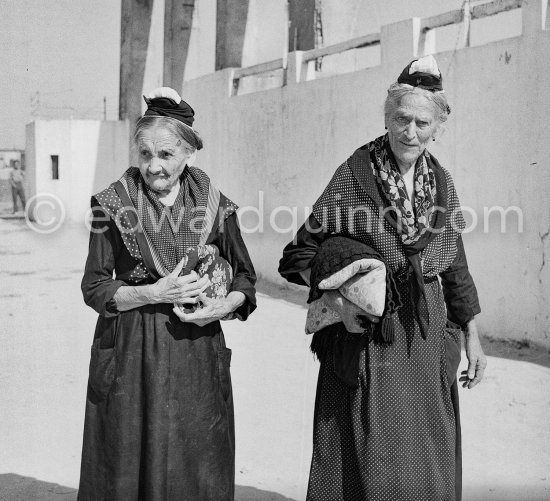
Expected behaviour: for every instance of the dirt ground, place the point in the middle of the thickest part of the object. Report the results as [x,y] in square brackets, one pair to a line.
[46,333]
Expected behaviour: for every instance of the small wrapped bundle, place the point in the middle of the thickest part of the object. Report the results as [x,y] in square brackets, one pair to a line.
[206,260]
[362,283]
[358,275]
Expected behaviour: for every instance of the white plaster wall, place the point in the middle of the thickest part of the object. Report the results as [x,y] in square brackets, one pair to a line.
[99,157]
[287,142]
[265,31]
[201,58]
[265,34]
[266,25]
[92,154]
[52,137]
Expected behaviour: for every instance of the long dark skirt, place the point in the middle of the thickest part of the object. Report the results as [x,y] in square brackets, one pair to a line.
[159,411]
[397,436]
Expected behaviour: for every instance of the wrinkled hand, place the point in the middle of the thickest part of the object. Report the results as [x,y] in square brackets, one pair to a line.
[209,310]
[477,362]
[182,290]
[355,319]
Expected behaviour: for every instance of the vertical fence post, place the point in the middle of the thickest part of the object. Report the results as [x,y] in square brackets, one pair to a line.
[295,68]
[285,43]
[466,20]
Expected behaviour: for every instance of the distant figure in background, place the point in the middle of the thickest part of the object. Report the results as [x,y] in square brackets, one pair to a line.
[17,176]
[159,408]
[386,424]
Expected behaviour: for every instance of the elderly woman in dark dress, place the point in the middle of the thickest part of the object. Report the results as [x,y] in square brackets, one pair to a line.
[393,431]
[159,410]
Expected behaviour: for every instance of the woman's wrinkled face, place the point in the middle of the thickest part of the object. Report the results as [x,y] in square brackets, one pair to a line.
[411,126]
[162,158]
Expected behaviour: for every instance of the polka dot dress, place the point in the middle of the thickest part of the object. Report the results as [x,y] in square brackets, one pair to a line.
[393,438]
[111,204]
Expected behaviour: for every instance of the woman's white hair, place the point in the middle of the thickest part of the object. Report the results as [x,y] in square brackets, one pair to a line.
[398,91]
[190,137]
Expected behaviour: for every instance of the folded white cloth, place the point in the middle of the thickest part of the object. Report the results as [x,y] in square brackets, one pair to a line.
[362,283]
[167,92]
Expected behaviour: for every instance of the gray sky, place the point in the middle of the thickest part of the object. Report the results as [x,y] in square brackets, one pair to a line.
[68,52]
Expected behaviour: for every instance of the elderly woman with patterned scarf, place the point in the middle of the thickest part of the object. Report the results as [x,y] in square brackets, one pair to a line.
[386,424]
[166,262]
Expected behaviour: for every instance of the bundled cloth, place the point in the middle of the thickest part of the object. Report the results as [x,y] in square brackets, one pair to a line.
[206,260]
[361,283]
[357,272]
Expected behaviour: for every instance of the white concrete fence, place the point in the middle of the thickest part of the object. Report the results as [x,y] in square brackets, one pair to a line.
[302,65]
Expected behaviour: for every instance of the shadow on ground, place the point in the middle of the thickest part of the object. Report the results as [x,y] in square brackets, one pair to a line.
[293,293]
[245,493]
[17,488]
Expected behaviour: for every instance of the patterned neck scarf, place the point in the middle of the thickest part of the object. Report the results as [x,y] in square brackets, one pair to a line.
[172,230]
[412,223]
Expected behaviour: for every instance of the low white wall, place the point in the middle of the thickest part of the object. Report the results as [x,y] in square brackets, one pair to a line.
[92,154]
[287,142]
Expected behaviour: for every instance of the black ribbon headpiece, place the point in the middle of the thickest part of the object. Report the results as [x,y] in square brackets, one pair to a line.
[166,107]
[421,79]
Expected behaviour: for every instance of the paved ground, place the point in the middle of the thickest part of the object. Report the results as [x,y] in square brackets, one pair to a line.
[46,332]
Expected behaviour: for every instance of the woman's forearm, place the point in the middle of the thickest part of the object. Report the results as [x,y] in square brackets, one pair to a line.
[128,297]
[234,300]
[471,329]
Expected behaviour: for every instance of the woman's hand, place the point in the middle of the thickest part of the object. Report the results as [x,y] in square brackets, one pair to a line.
[212,309]
[175,289]
[169,289]
[355,319]
[476,358]
[182,290]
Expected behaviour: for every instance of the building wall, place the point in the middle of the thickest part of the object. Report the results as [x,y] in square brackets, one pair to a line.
[280,147]
[92,154]
[265,36]
[266,25]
